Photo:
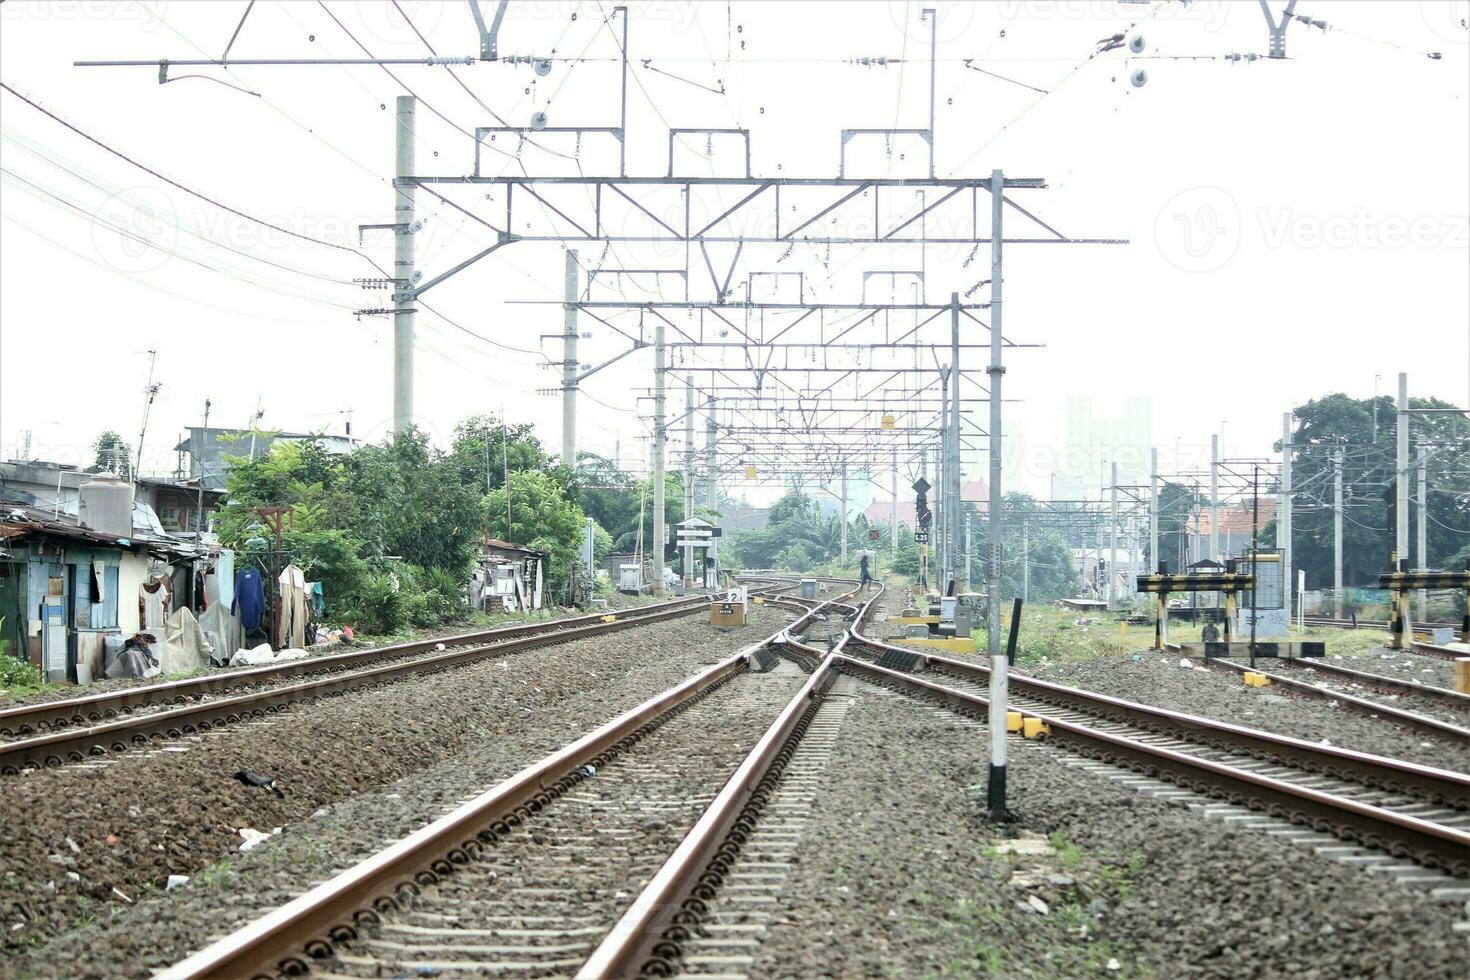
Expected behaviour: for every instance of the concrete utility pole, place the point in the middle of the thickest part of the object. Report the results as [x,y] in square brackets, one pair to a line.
[1283,518]
[688,476]
[893,511]
[941,492]
[996,787]
[403,262]
[1422,543]
[842,517]
[711,483]
[1153,509]
[1401,476]
[956,481]
[1025,563]
[660,436]
[569,365]
[1214,498]
[1337,533]
[1112,568]
[969,544]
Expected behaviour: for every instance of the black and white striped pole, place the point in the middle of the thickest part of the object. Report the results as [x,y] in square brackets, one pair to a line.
[996,787]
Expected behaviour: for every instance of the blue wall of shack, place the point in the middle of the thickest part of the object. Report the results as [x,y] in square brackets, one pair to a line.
[80,608]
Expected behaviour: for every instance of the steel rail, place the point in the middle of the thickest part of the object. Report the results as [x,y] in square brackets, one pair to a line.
[16,720]
[1409,719]
[665,903]
[670,906]
[285,939]
[1437,651]
[1400,834]
[1441,785]
[75,744]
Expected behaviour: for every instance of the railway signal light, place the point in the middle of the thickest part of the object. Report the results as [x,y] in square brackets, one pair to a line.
[922,515]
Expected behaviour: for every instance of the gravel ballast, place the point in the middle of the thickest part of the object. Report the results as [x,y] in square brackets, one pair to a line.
[907,878]
[1158,679]
[140,816]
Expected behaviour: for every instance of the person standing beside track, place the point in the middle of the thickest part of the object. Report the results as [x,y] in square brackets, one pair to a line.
[864,576]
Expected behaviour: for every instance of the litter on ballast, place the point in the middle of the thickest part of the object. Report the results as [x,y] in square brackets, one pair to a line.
[175,881]
[254,837]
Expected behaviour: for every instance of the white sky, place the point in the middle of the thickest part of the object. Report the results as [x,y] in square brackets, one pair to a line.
[1296,227]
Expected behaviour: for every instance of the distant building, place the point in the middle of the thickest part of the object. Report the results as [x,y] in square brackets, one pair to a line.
[162,508]
[206,449]
[976,492]
[1235,529]
[1093,442]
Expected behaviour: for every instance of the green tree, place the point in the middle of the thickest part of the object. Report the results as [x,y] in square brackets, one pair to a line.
[1034,560]
[111,454]
[411,503]
[483,450]
[611,497]
[1365,432]
[543,517]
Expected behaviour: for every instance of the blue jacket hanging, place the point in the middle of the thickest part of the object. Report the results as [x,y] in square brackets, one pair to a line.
[249,598]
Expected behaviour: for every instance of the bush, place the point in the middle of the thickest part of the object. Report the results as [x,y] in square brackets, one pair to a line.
[15,672]
[380,606]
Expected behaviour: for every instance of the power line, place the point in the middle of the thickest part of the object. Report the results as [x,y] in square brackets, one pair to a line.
[174,183]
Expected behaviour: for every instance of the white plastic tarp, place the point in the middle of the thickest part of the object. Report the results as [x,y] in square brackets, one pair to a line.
[263,654]
[224,631]
[187,647]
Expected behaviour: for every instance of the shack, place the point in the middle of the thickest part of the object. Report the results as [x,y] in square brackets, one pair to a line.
[508,577]
[67,590]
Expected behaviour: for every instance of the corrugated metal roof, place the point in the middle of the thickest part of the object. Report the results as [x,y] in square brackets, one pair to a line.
[18,521]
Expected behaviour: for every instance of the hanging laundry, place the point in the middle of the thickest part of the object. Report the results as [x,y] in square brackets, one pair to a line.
[293,609]
[154,600]
[249,602]
[318,600]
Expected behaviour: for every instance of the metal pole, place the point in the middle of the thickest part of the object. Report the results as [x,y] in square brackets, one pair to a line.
[1112,565]
[956,481]
[660,434]
[1255,553]
[1025,562]
[1337,534]
[688,476]
[996,788]
[941,489]
[1401,487]
[1153,508]
[1283,519]
[569,365]
[711,495]
[893,511]
[969,545]
[199,510]
[403,261]
[1214,498]
[1422,535]
[843,516]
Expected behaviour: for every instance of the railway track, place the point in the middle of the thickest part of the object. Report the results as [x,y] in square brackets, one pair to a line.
[1333,673]
[144,714]
[1423,648]
[525,876]
[1406,809]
